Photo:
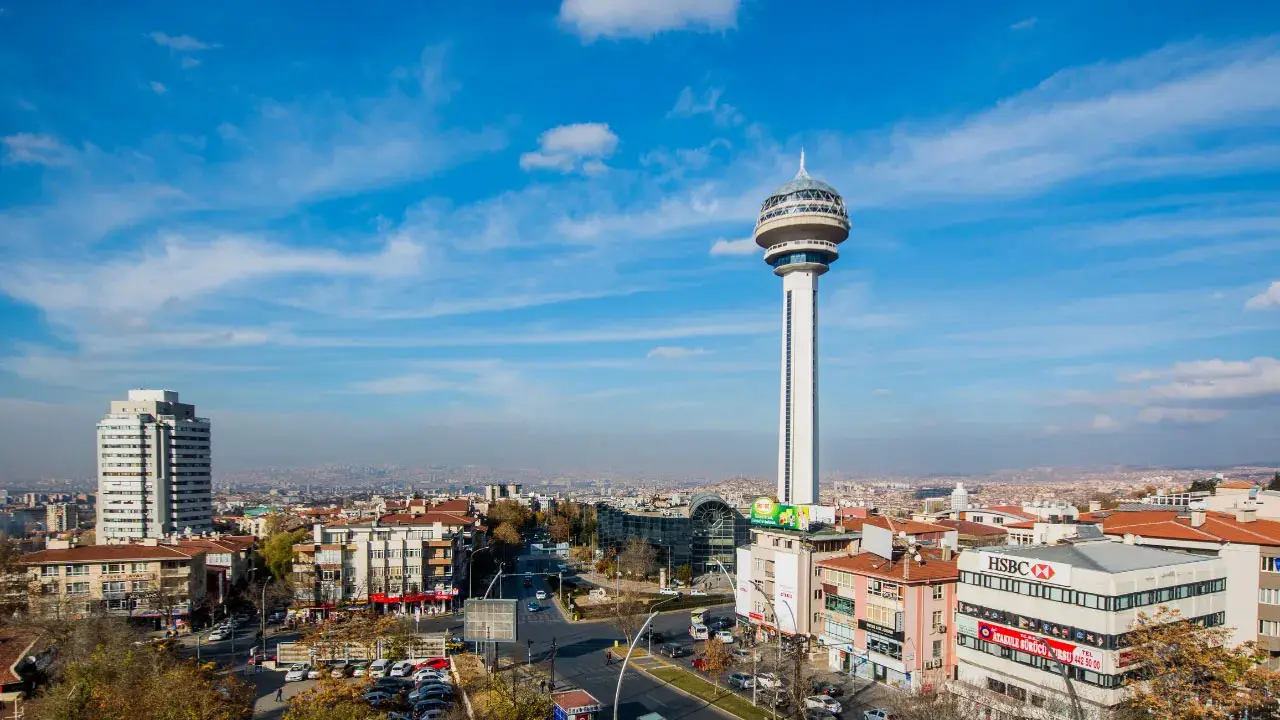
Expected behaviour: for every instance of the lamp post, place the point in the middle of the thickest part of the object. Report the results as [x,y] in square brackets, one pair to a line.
[617,694]
[470,565]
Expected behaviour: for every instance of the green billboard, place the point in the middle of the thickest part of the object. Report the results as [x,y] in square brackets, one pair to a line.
[768,512]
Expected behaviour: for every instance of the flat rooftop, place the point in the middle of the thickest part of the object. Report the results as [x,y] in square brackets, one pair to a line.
[1102,556]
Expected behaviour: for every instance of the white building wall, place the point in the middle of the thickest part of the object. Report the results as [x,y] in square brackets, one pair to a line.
[798,416]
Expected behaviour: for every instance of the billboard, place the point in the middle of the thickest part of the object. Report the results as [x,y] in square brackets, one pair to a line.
[742,583]
[786,579]
[1045,647]
[1054,573]
[767,512]
[491,620]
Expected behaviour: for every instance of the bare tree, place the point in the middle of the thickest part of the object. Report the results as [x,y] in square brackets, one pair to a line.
[637,558]
[628,615]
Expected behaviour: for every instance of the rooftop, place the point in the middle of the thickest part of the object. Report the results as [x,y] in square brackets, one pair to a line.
[1175,524]
[1101,556]
[965,527]
[394,519]
[902,569]
[895,525]
[569,699]
[15,644]
[100,553]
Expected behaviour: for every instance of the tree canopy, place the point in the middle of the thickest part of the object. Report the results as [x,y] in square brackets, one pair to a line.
[277,551]
[333,699]
[506,534]
[510,511]
[637,558]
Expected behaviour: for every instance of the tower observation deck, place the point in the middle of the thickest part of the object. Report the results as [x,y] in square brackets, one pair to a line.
[800,227]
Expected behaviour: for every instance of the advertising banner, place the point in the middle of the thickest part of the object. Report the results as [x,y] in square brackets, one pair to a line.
[1063,652]
[742,581]
[767,512]
[1053,573]
[786,578]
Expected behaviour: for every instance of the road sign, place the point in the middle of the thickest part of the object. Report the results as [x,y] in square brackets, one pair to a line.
[489,620]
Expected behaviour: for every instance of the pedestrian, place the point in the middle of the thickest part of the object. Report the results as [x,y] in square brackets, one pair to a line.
[280,694]
[608,657]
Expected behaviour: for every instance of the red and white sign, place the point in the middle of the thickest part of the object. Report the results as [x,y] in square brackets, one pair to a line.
[1063,652]
[1053,573]
[757,616]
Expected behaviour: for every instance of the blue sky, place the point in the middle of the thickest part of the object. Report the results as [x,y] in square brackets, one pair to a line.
[513,234]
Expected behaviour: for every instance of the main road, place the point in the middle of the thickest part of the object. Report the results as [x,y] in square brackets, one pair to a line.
[580,659]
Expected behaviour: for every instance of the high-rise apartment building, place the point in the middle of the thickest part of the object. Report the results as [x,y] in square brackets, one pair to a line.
[61,517]
[153,468]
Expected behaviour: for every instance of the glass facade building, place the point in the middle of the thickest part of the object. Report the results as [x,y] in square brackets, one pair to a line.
[707,531]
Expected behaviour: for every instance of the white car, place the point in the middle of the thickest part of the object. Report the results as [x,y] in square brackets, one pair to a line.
[768,681]
[297,672]
[698,593]
[404,668]
[427,673]
[877,715]
[219,634]
[669,591]
[541,595]
[822,702]
[379,668]
[725,637]
[315,673]
[360,668]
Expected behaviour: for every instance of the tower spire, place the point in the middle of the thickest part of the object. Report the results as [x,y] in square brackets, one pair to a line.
[802,173]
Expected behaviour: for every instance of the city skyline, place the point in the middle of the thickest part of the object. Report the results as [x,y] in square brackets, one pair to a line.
[379,240]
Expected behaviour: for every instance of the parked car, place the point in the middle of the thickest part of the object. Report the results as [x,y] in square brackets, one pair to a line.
[427,673]
[428,705]
[339,668]
[697,592]
[359,668]
[541,595]
[297,672]
[440,695]
[219,634]
[768,681]
[316,671]
[818,714]
[672,650]
[404,668]
[378,697]
[669,591]
[878,714]
[431,715]
[741,681]
[825,688]
[391,684]
[741,655]
[380,668]
[699,663]
[439,663]
[427,691]
[724,636]
[822,702]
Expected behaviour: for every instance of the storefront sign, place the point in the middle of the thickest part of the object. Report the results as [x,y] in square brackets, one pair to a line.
[1063,652]
[1054,573]
[879,629]
[758,617]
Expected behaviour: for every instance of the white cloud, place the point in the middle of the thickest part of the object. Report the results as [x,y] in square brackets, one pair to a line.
[744,246]
[687,105]
[1025,24]
[592,19]
[1218,380]
[36,149]
[189,62]
[180,43]
[410,384]
[1265,300]
[580,146]
[1179,415]
[882,392]
[667,352]
[158,88]
[1104,423]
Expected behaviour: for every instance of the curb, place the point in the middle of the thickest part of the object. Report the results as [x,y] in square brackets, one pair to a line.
[705,705]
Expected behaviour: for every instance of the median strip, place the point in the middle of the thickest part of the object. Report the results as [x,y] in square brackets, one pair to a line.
[721,698]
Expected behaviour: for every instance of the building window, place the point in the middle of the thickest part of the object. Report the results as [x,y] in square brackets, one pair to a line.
[996,686]
[937,592]
[998,520]
[1270,628]
[77,569]
[1271,564]
[49,571]
[937,618]
[937,649]
[113,568]
[115,586]
[841,605]
[1269,596]
[140,585]
[138,567]
[78,588]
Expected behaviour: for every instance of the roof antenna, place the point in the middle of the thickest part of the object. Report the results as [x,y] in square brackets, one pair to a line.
[802,173]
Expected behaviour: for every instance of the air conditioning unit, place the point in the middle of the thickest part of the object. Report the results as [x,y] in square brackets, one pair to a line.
[940,629]
[933,665]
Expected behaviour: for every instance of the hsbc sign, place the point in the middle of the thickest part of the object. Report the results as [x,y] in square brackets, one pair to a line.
[1043,571]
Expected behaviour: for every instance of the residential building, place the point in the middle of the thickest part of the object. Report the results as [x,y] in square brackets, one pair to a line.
[1031,619]
[701,535]
[141,580]
[153,468]
[889,619]
[494,493]
[1249,546]
[976,535]
[777,582]
[228,560]
[1036,532]
[396,562]
[61,517]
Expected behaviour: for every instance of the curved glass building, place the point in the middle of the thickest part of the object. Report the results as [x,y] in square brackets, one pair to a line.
[706,531]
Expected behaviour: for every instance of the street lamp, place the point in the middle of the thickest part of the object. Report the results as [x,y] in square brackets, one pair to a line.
[617,694]
[470,565]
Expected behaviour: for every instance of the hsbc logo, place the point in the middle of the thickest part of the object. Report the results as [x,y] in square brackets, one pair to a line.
[1055,573]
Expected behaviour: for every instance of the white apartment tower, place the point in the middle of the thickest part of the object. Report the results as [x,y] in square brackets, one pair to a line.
[799,227]
[153,468]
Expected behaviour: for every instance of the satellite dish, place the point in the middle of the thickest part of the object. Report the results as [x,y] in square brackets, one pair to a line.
[919,559]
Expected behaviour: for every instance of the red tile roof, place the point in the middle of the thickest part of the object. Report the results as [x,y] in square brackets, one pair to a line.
[1024,525]
[895,525]
[1237,485]
[427,518]
[569,699]
[457,505]
[900,570]
[1168,524]
[100,553]
[15,644]
[966,527]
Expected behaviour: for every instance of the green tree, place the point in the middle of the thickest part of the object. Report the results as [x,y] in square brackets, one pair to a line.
[333,699]
[508,536]
[510,511]
[1202,485]
[277,552]
[1275,482]
[684,573]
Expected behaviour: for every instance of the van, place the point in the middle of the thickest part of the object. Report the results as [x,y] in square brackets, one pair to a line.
[699,631]
[379,668]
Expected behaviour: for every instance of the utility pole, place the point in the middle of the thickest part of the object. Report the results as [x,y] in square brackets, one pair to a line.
[553,664]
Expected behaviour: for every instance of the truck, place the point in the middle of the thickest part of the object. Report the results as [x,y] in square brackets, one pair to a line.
[700,616]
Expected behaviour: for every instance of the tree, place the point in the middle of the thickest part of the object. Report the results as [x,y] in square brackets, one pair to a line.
[277,552]
[560,529]
[637,558]
[507,535]
[1187,671]
[718,658]
[1275,482]
[1208,484]
[510,511]
[684,573]
[628,615]
[507,699]
[581,553]
[332,699]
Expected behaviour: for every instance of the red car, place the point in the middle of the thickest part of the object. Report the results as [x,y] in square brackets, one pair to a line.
[433,663]
[699,664]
